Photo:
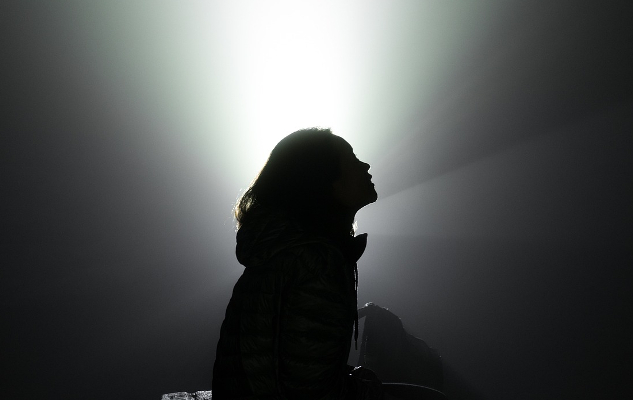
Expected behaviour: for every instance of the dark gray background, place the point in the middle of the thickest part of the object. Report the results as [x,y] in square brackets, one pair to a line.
[117,257]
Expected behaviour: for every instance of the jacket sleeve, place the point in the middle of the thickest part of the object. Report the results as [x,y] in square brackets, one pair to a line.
[316,313]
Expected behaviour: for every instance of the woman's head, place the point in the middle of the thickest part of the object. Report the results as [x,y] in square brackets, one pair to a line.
[312,177]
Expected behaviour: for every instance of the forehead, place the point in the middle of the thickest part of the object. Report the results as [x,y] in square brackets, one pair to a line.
[342,146]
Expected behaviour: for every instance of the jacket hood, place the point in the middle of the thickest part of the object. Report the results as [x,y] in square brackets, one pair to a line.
[269,233]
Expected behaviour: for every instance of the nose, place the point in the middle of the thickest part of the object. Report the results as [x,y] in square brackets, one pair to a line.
[367,166]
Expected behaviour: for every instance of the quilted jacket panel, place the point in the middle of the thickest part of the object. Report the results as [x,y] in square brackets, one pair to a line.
[288,325]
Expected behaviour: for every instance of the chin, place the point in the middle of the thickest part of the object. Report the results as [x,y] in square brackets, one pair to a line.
[371,198]
[374,195]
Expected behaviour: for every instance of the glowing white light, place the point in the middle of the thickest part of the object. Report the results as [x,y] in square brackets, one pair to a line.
[291,69]
[219,83]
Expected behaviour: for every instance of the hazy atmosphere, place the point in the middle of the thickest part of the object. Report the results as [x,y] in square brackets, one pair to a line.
[499,135]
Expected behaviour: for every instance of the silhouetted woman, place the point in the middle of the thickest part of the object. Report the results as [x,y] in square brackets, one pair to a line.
[288,325]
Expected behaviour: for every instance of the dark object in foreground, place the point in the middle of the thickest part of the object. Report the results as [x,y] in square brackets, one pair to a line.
[406,391]
[394,354]
[398,390]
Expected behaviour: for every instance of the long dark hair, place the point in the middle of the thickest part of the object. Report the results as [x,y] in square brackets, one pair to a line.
[296,183]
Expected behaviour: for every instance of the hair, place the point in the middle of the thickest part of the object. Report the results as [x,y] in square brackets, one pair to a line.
[296,182]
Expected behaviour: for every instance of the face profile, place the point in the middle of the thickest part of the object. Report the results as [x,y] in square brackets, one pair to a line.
[314,178]
[353,189]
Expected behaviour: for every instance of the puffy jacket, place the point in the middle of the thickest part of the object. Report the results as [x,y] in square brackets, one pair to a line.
[288,325]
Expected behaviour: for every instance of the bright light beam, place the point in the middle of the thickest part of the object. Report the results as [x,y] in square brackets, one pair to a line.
[229,79]
[292,69]
[497,197]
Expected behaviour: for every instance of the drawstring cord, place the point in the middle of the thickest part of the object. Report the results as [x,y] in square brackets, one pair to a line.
[356,296]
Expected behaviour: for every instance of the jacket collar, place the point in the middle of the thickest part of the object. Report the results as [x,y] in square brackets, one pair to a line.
[353,247]
[271,233]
